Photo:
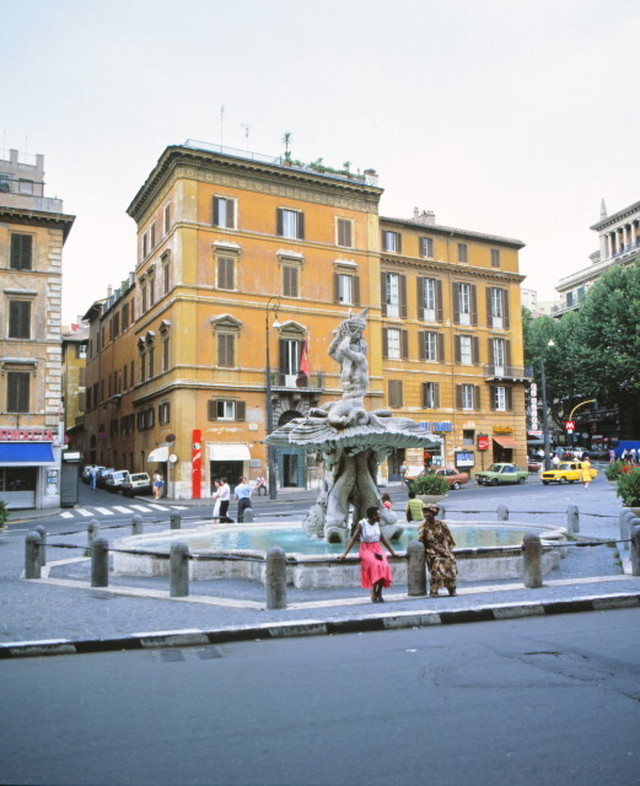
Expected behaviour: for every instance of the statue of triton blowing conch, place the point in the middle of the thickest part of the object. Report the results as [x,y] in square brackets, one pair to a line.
[352,441]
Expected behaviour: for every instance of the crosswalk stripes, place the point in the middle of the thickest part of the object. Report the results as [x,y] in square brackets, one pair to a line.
[122,509]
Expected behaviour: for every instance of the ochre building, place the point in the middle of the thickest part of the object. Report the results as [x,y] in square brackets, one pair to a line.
[245,268]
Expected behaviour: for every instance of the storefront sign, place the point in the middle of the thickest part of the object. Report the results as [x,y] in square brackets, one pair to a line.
[483,442]
[26,435]
[196,462]
[445,425]
[502,430]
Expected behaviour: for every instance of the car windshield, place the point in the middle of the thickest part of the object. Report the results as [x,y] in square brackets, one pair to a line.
[495,468]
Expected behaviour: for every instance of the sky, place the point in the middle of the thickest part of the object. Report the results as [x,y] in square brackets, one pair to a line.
[507,117]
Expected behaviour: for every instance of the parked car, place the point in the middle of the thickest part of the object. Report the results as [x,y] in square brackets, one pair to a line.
[534,464]
[454,478]
[115,480]
[101,478]
[565,472]
[501,473]
[136,483]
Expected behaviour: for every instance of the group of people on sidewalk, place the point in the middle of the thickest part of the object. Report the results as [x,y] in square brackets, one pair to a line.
[222,497]
[433,533]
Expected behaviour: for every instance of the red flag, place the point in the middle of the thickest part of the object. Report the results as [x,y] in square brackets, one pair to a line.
[304,359]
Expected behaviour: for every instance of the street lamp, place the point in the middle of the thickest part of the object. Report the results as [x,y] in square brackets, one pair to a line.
[273,304]
[545,422]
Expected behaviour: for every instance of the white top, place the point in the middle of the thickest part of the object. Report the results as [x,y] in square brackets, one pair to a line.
[369,533]
[224,492]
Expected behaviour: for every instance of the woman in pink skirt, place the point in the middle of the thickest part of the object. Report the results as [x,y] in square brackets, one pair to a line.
[375,572]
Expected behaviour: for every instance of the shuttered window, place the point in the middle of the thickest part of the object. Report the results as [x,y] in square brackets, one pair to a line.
[19,319]
[21,252]
[18,383]
[224,212]
[430,395]
[395,393]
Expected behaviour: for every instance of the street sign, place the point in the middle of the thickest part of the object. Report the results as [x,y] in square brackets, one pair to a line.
[570,425]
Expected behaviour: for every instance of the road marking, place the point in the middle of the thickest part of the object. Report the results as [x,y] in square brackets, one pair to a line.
[105,511]
[142,508]
[84,512]
[122,509]
[66,515]
[156,507]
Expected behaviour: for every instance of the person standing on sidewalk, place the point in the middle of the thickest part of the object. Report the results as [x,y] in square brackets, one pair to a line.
[93,475]
[438,544]
[243,495]
[224,495]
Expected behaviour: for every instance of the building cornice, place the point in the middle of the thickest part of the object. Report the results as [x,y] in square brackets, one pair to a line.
[440,229]
[18,215]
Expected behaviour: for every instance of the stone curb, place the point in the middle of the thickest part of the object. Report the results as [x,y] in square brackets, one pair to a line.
[280,630]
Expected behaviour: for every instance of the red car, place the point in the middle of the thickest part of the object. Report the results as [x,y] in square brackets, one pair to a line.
[454,478]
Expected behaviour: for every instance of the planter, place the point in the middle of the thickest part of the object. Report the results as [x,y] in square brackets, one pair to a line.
[432,499]
[634,510]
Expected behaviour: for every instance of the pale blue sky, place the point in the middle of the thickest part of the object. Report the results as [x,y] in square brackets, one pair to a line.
[511,117]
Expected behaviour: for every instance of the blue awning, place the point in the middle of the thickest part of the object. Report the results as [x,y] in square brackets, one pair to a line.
[26,454]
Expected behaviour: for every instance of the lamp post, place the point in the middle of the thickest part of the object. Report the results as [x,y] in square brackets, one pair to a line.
[545,422]
[273,304]
[577,406]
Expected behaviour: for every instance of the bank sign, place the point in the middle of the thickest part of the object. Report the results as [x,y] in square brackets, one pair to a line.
[26,435]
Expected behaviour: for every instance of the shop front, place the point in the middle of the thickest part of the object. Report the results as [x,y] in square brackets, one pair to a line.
[29,469]
[228,460]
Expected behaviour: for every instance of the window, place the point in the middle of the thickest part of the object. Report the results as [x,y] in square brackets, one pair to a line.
[225,272]
[497,308]
[225,409]
[18,383]
[346,289]
[151,275]
[495,257]
[500,354]
[145,245]
[569,298]
[143,296]
[430,395]
[394,295]
[431,346]
[166,275]
[395,393]
[464,304]
[164,413]
[166,347]
[462,252]
[290,281]
[429,299]
[152,235]
[500,398]
[426,247]
[468,437]
[344,231]
[226,350]
[224,212]
[125,316]
[468,396]
[167,218]
[21,252]
[394,343]
[466,350]
[391,241]
[151,359]
[290,350]
[81,351]
[290,223]
[19,319]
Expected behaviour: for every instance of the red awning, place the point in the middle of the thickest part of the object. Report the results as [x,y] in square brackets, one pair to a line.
[505,442]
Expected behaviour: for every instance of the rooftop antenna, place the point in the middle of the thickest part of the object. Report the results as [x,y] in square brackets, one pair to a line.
[247,127]
[221,124]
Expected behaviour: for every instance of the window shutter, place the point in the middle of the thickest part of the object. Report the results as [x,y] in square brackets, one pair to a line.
[507,355]
[491,353]
[509,398]
[356,290]
[438,289]
[440,345]
[240,410]
[402,280]
[399,243]
[385,343]
[436,395]
[505,308]
[476,396]
[405,344]
[383,293]
[215,217]
[212,409]
[279,229]
[336,288]
[301,226]
[456,303]
[422,345]
[459,396]
[474,304]
[231,213]
[492,397]
[420,301]
[474,350]
[489,314]
[457,352]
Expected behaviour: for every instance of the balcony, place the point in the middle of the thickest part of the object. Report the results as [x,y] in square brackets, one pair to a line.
[493,373]
[287,383]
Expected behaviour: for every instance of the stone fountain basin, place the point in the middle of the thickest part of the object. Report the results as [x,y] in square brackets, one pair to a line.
[487,550]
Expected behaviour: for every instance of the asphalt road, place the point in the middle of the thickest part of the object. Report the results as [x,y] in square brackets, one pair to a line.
[532,701]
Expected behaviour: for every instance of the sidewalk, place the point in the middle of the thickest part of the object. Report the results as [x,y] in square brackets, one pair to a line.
[62,613]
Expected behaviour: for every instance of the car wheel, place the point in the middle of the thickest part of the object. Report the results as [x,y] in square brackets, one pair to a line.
[545,482]
[563,481]
[494,481]
[521,480]
[455,485]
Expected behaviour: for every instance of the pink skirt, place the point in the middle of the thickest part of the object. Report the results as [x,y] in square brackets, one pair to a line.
[373,569]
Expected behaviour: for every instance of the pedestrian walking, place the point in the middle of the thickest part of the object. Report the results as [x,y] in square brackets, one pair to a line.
[585,473]
[438,543]
[243,494]
[375,571]
[158,485]
[224,493]
[215,513]
[93,476]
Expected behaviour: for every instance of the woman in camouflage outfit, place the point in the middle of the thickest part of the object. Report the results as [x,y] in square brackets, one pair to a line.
[438,544]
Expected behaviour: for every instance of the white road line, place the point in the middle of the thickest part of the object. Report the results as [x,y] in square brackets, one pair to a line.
[122,509]
[66,515]
[84,512]
[142,508]
[156,507]
[105,511]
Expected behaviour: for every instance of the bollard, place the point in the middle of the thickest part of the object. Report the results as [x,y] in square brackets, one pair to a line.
[532,561]
[573,519]
[32,556]
[179,569]
[247,516]
[635,550]
[416,570]
[136,524]
[100,562]
[43,543]
[176,521]
[442,511]
[502,513]
[626,519]
[276,578]
[93,530]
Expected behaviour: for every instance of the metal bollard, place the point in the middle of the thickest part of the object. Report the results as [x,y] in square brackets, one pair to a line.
[247,515]
[136,524]
[175,521]
[179,569]
[502,513]
[93,530]
[100,562]
[416,569]
[276,578]
[573,519]
[635,550]
[532,561]
[43,543]
[32,565]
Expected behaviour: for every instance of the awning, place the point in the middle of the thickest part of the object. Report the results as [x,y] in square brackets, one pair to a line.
[229,452]
[505,442]
[159,455]
[26,454]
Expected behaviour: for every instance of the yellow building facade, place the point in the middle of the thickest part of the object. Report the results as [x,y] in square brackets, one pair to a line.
[246,267]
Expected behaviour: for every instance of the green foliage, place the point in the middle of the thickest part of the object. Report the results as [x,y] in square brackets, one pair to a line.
[628,488]
[613,469]
[4,513]
[430,485]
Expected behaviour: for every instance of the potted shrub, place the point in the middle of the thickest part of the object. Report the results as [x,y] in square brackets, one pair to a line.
[628,489]
[614,469]
[430,488]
